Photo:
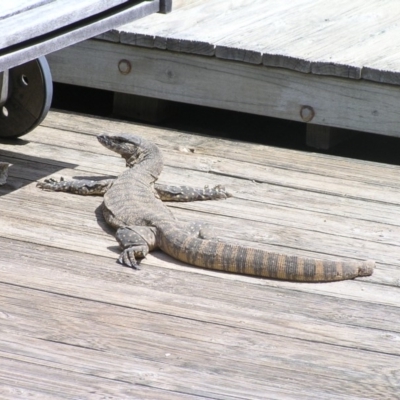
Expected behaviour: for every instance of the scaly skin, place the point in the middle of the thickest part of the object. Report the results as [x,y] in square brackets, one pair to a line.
[144,223]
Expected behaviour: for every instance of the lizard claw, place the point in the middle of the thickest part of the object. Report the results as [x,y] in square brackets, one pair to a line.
[52,180]
[49,183]
[220,192]
[128,257]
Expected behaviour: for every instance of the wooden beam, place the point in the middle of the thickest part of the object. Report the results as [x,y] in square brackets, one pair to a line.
[336,102]
[165,6]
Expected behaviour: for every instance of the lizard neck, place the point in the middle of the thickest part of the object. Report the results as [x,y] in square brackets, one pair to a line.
[148,165]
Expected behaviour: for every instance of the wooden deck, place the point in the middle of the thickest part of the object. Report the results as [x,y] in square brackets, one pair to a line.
[355,40]
[332,68]
[77,325]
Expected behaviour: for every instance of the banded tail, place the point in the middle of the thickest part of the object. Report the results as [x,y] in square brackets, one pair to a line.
[222,256]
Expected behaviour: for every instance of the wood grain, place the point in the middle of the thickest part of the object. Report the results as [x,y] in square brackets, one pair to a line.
[75,324]
[306,36]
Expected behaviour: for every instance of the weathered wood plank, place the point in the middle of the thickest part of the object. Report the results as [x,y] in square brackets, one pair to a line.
[321,176]
[208,150]
[277,204]
[350,24]
[337,330]
[171,141]
[139,372]
[142,340]
[315,183]
[260,220]
[271,234]
[162,31]
[250,42]
[384,68]
[342,103]
[277,235]
[251,200]
[358,290]
[75,323]
[284,228]
[304,36]
[38,382]
[289,320]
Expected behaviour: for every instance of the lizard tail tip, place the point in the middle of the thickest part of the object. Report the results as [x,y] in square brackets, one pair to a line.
[366,268]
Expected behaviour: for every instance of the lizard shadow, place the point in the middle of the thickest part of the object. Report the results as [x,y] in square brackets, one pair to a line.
[23,170]
[106,228]
[99,209]
[102,222]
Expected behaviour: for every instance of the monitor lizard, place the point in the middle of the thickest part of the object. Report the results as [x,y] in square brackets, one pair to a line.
[133,206]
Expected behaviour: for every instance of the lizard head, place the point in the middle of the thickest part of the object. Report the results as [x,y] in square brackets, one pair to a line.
[132,148]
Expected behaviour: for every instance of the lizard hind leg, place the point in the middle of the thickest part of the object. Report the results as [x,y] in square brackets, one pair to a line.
[201,230]
[136,242]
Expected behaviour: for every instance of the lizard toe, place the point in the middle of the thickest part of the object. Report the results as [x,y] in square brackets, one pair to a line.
[127,257]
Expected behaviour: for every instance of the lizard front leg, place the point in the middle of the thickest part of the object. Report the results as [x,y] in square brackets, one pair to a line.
[80,186]
[188,193]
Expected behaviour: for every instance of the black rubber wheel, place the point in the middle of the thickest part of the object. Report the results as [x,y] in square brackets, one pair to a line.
[29,98]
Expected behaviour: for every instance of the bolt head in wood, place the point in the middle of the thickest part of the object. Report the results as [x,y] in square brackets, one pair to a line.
[124,67]
[307,113]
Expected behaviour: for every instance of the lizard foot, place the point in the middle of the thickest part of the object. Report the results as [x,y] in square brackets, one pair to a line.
[217,192]
[128,256]
[50,184]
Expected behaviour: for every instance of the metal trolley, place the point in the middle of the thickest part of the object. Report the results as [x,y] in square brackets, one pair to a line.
[33,28]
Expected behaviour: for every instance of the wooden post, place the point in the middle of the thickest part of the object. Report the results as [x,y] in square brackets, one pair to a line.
[324,137]
[165,6]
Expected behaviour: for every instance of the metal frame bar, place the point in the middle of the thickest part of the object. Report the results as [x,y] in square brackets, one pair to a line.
[84,29]
[4,83]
